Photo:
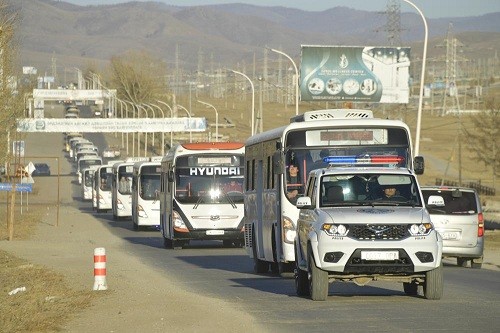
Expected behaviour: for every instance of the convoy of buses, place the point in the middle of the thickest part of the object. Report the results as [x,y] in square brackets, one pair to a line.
[238,192]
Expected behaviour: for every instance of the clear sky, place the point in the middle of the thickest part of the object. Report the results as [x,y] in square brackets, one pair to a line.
[430,8]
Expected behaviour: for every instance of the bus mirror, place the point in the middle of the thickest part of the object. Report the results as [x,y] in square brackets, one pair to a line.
[170,176]
[278,162]
[418,165]
[278,145]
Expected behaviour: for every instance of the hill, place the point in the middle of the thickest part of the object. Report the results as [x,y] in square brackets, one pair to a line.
[218,34]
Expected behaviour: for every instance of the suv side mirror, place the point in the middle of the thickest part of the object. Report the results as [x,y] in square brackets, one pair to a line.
[418,165]
[304,202]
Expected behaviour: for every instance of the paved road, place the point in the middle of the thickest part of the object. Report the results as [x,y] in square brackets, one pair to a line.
[470,303]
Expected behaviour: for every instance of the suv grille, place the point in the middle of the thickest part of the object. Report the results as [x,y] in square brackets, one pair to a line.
[379,232]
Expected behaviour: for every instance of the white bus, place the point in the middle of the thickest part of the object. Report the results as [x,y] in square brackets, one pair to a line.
[146,194]
[202,193]
[103,184]
[310,141]
[88,182]
[85,162]
[121,192]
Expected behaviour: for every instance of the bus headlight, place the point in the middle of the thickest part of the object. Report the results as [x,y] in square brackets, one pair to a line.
[289,231]
[178,223]
[141,212]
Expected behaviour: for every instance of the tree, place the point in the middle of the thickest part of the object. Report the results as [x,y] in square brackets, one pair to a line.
[11,94]
[138,77]
[484,137]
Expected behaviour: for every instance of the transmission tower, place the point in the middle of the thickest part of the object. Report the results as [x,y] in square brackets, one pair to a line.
[54,67]
[393,25]
[451,67]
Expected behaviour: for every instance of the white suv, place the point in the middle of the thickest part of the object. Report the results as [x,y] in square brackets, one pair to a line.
[457,215]
[364,224]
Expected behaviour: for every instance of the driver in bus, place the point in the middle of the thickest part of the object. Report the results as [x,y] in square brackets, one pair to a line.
[294,185]
[233,186]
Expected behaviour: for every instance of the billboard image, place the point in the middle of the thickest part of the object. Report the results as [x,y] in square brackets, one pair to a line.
[355,74]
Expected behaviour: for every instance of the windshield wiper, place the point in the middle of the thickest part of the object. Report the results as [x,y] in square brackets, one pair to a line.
[229,199]
[200,199]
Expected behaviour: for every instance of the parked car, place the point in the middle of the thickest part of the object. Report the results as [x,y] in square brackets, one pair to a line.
[457,215]
[41,169]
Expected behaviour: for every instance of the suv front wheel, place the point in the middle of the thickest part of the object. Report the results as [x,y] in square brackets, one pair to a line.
[318,280]
[433,286]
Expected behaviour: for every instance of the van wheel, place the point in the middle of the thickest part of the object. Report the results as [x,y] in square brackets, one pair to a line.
[318,280]
[462,262]
[410,289]
[433,286]
[476,263]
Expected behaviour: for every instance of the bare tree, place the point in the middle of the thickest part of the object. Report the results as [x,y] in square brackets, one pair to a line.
[484,137]
[138,77]
[11,94]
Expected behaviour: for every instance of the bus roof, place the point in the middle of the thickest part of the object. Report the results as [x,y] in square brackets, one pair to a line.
[325,123]
[213,145]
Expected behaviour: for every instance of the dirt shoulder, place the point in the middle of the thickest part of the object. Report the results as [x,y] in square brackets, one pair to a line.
[139,298]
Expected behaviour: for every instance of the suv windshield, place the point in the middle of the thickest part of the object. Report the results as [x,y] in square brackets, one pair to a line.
[369,189]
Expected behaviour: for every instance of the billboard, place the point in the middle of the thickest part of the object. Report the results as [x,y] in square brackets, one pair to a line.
[355,74]
[111,125]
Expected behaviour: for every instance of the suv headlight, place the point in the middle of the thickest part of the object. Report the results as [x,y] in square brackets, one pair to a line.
[335,229]
[421,229]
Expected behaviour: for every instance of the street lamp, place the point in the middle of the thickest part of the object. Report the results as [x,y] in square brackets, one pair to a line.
[162,132]
[133,133]
[216,119]
[171,117]
[422,77]
[296,79]
[152,111]
[189,115]
[253,98]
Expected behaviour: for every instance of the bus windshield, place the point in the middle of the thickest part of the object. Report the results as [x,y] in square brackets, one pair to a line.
[209,179]
[150,186]
[318,148]
[106,176]
[89,162]
[89,178]
[125,179]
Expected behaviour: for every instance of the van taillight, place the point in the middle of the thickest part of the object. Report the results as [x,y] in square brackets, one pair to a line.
[480,225]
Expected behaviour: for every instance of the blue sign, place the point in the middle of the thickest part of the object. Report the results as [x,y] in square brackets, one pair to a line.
[20,187]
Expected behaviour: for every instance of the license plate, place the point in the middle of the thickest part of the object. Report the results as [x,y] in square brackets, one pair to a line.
[215,232]
[379,255]
[449,235]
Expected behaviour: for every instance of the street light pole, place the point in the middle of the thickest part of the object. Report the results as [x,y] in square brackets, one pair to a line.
[422,77]
[162,132]
[171,117]
[133,133]
[189,115]
[216,119]
[253,98]
[296,79]
[153,111]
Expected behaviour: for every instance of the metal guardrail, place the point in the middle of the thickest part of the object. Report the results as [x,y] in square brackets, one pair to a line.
[481,189]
